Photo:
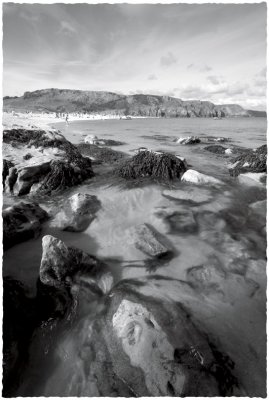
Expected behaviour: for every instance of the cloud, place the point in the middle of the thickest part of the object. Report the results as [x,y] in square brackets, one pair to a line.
[215,80]
[66,28]
[200,68]
[152,77]
[168,60]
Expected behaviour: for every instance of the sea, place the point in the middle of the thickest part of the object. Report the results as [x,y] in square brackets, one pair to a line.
[227,233]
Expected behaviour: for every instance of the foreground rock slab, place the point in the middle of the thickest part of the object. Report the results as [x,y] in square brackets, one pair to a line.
[148,241]
[77,213]
[39,161]
[22,222]
[60,264]
[193,176]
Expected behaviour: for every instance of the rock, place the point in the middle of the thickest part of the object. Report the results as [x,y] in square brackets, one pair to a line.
[189,140]
[216,149]
[162,166]
[193,194]
[182,222]
[147,241]
[103,154]
[22,222]
[91,139]
[228,152]
[54,165]
[61,264]
[183,160]
[252,178]
[77,213]
[259,208]
[250,161]
[205,276]
[193,176]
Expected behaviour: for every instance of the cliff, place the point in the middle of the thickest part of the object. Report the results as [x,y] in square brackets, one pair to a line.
[62,100]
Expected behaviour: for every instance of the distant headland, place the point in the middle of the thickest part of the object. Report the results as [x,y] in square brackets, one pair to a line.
[137,105]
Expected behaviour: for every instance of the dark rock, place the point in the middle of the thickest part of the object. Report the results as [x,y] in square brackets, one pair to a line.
[189,140]
[27,156]
[251,161]
[182,222]
[77,213]
[104,154]
[61,264]
[22,222]
[6,167]
[162,166]
[216,149]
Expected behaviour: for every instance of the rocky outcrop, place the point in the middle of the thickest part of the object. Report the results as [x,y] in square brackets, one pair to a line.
[189,140]
[77,213]
[92,139]
[52,163]
[251,161]
[193,176]
[61,265]
[22,222]
[217,149]
[147,240]
[155,165]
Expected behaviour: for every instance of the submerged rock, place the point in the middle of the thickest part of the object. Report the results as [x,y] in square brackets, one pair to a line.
[189,140]
[193,176]
[54,165]
[102,154]
[61,263]
[77,213]
[22,222]
[216,149]
[182,222]
[162,166]
[193,194]
[148,241]
[250,161]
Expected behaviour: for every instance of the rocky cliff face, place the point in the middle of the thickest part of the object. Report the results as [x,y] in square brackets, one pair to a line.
[58,100]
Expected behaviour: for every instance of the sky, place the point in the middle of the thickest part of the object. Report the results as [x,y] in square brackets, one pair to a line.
[214,52]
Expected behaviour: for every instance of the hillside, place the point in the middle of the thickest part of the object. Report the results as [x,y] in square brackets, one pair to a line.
[62,100]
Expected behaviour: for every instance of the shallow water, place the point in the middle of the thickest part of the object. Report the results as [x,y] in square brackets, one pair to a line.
[225,232]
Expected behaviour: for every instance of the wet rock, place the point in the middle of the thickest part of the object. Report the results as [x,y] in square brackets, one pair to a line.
[102,154]
[250,161]
[162,166]
[205,276]
[196,195]
[253,178]
[91,139]
[258,210]
[22,222]
[193,176]
[147,240]
[189,140]
[61,264]
[77,213]
[217,149]
[54,165]
[228,152]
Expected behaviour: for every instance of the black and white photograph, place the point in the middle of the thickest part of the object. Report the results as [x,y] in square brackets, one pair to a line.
[134,167]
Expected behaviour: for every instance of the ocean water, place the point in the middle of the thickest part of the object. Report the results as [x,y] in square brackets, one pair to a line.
[227,234]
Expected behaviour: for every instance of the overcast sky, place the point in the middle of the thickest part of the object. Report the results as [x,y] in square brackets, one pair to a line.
[210,52]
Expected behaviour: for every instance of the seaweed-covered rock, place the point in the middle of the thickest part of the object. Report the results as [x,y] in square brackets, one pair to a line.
[103,154]
[217,149]
[250,161]
[60,264]
[189,140]
[163,166]
[22,222]
[77,213]
[53,164]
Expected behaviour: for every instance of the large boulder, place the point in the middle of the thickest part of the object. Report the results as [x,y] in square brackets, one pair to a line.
[193,176]
[147,240]
[155,165]
[41,161]
[61,265]
[77,213]
[250,161]
[22,222]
